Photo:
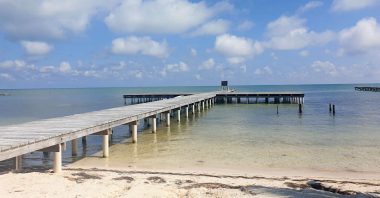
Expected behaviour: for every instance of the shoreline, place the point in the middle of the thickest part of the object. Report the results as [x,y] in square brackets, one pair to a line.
[117,182]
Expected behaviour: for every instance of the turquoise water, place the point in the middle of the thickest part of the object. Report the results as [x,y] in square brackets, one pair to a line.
[233,136]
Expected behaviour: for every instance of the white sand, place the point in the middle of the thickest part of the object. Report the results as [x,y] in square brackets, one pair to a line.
[76,182]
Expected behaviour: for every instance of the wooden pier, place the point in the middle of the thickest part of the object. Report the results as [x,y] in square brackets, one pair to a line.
[50,135]
[373,89]
[227,97]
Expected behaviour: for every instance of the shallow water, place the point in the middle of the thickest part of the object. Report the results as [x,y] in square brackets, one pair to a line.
[232,136]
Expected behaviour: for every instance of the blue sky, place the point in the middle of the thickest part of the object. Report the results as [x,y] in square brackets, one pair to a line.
[94,43]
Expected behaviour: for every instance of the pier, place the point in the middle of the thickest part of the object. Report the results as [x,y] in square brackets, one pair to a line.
[373,89]
[51,135]
[227,97]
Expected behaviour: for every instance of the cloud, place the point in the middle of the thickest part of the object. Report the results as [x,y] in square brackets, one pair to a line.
[364,37]
[193,52]
[237,49]
[266,70]
[215,27]
[43,19]
[169,16]
[6,76]
[349,5]
[290,33]
[304,53]
[139,45]
[310,5]
[198,77]
[36,48]
[207,64]
[17,65]
[325,67]
[245,25]
[174,68]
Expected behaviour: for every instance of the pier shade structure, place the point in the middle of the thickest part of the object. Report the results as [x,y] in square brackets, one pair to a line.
[51,135]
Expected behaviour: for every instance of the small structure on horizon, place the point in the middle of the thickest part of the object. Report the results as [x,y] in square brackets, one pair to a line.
[224,85]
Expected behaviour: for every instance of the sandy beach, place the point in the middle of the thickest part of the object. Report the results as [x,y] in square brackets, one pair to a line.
[94,182]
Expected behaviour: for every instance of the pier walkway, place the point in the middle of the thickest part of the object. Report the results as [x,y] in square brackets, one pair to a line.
[50,135]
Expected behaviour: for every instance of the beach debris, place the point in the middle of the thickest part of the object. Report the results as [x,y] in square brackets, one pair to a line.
[82,176]
[317,185]
[245,189]
[126,178]
[155,179]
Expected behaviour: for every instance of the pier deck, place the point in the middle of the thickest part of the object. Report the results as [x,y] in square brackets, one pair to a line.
[50,134]
[227,97]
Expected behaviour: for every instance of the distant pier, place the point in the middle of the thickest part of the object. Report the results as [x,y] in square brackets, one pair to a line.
[226,97]
[373,89]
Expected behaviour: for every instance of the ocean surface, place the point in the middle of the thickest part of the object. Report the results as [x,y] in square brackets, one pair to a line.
[228,136]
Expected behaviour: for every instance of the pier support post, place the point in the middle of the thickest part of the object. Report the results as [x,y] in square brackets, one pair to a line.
[179,114]
[299,108]
[74,147]
[106,145]
[193,109]
[333,109]
[167,118]
[57,165]
[203,105]
[154,123]
[199,106]
[134,131]
[18,163]
[187,111]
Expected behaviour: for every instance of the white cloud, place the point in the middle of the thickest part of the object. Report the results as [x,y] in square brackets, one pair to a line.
[290,33]
[7,76]
[64,67]
[169,16]
[207,64]
[349,5]
[236,49]
[193,52]
[245,25]
[198,77]
[17,65]
[310,5]
[304,53]
[325,67]
[215,27]
[137,74]
[236,60]
[177,67]
[36,47]
[364,37]
[46,19]
[266,70]
[140,45]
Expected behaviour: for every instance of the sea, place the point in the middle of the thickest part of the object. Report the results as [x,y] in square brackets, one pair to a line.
[228,136]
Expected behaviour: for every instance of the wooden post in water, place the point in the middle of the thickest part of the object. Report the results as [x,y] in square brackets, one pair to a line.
[187,111]
[154,123]
[277,109]
[193,108]
[167,118]
[333,109]
[330,109]
[18,163]
[74,147]
[179,114]
[299,108]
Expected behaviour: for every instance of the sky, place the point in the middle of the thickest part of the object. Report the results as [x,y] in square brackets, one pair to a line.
[124,43]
